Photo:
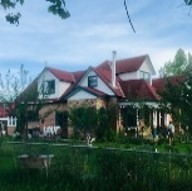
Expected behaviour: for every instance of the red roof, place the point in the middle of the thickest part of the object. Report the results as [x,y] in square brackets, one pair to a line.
[129,89]
[130,64]
[94,91]
[3,112]
[105,75]
[78,75]
[125,65]
[139,89]
[160,83]
[62,75]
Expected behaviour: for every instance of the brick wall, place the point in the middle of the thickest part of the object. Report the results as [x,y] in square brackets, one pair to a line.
[47,114]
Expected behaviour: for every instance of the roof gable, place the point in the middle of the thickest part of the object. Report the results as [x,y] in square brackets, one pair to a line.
[105,76]
[130,64]
[127,65]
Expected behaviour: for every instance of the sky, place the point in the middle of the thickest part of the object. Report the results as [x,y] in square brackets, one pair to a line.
[94,29]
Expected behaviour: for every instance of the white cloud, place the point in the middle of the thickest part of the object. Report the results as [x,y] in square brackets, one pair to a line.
[95,29]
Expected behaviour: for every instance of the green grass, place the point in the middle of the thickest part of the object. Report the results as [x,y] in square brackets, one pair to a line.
[131,165]
[100,169]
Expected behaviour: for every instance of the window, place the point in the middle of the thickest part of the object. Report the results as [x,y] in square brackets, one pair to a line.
[49,87]
[92,81]
[145,76]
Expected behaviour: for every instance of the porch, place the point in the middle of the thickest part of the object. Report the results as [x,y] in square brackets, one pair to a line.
[147,119]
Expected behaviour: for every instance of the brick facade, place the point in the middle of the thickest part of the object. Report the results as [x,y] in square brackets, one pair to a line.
[47,114]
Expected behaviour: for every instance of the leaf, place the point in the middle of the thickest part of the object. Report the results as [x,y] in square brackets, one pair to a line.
[188,2]
[13,18]
[20,1]
[53,9]
[6,4]
[52,1]
[63,14]
[56,10]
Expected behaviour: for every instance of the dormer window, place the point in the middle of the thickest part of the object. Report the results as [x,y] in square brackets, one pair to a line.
[145,76]
[92,81]
[49,87]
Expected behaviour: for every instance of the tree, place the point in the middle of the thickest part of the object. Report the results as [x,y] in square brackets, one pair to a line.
[12,84]
[177,95]
[87,119]
[26,108]
[83,119]
[179,66]
[178,98]
[188,2]
[107,118]
[12,94]
[56,7]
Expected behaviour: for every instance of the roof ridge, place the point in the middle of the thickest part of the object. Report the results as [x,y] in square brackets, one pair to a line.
[61,74]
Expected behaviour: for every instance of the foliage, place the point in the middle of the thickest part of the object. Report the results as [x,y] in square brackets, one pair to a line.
[27,107]
[177,93]
[12,84]
[180,99]
[100,122]
[57,7]
[188,2]
[106,129]
[17,97]
[179,66]
[83,118]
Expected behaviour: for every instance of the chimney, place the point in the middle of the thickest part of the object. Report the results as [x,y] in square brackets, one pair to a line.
[113,69]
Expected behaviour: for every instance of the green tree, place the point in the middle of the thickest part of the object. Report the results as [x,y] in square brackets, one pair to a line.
[26,108]
[102,122]
[178,87]
[107,118]
[178,98]
[16,97]
[83,119]
[56,7]
[178,66]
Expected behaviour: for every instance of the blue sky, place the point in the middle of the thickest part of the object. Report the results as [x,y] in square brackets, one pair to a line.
[95,28]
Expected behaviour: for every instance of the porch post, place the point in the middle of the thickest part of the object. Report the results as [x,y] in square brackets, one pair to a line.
[155,123]
[166,120]
[8,121]
[119,120]
[160,124]
[137,123]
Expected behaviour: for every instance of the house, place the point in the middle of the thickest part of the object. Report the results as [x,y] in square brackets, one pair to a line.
[127,83]
[7,123]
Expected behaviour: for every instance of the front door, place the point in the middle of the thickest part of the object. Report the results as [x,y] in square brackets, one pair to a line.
[62,121]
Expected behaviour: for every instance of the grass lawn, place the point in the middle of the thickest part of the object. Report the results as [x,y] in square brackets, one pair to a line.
[124,165]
